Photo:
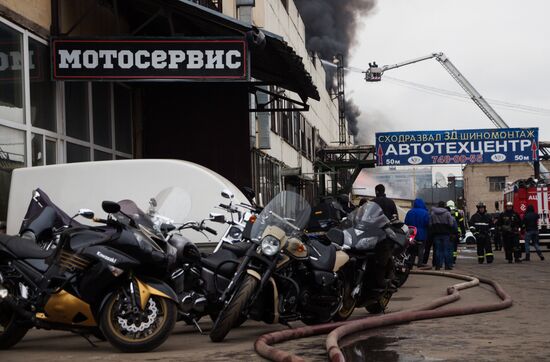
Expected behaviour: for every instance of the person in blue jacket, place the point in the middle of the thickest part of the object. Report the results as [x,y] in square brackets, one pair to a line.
[419,217]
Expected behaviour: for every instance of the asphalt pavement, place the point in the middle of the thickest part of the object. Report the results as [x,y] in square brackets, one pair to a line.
[520,333]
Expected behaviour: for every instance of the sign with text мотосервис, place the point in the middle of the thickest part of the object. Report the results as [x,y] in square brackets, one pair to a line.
[457,146]
[149,59]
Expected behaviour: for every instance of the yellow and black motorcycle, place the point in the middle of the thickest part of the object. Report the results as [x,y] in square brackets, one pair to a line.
[103,280]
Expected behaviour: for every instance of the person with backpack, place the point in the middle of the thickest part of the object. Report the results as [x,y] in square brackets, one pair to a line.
[441,227]
[419,217]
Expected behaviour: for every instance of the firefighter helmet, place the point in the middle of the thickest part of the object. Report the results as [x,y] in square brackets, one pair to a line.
[451,204]
[480,205]
[509,203]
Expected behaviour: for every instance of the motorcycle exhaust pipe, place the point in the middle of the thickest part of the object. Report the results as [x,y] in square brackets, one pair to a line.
[193,302]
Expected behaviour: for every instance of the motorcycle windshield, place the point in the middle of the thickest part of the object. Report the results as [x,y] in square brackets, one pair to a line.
[369,216]
[129,208]
[170,205]
[288,211]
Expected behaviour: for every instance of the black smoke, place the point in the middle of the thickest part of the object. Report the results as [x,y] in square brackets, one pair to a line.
[331,27]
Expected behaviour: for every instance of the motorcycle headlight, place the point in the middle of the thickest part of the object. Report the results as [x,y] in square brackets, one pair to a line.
[270,245]
[235,233]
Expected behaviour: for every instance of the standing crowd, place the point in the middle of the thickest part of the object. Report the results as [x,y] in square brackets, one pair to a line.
[442,228]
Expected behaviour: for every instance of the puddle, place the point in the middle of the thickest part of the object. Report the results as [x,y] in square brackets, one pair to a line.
[377,349]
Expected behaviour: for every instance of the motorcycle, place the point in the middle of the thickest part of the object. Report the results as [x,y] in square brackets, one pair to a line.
[404,258]
[284,276]
[370,239]
[103,278]
[196,279]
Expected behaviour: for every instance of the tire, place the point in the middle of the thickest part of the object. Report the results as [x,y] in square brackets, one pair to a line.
[402,276]
[231,314]
[162,324]
[380,305]
[10,332]
[348,302]
[240,321]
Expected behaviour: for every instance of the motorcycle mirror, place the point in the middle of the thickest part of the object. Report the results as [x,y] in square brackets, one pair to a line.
[87,213]
[217,217]
[227,194]
[110,207]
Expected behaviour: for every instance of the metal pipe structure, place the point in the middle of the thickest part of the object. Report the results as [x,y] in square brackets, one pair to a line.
[339,330]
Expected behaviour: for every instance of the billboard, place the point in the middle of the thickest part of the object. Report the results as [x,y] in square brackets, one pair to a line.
[150,59]
[457,147]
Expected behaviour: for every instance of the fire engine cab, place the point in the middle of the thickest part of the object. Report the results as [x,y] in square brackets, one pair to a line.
[531,192]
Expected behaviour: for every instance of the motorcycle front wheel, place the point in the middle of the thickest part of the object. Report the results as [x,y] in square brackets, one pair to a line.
[348,302]
[232,313]
[132,329]
[380,305]
[401,276]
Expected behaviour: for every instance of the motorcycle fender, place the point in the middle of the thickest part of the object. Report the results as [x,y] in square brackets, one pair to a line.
[254,274]
[341,259]
[149,286]
[257,275]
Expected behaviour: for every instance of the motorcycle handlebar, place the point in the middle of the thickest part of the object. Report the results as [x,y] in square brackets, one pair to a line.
[210,230]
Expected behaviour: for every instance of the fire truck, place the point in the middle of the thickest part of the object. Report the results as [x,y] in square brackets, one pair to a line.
[532,192]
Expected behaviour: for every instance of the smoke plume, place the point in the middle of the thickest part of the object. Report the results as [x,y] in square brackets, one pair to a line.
[331,27]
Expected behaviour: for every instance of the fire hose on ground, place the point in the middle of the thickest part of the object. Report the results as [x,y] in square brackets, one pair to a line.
[337,331]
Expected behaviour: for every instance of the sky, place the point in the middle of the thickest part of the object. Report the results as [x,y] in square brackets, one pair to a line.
[501,46]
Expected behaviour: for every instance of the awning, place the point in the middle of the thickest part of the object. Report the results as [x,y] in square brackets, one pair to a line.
[276,64]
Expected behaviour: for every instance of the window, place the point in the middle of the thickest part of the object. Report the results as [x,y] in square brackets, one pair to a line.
[42,89]
[110,107]
[497,183]
[11,75]
[51,151]
[76,110]
[12,156]
[101,110]
[37,146]
[77,153]
[102,156]
[123,119]
[24,74]
[266,176]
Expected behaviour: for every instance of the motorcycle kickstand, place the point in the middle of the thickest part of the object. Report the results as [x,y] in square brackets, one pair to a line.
[87,337]
[286,324]
[197,326]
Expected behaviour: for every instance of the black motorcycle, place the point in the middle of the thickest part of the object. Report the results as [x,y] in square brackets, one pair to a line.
[103,278]
[284,276]
[371,241]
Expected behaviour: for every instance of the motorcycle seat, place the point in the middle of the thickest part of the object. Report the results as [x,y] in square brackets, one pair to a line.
[238,249]
[223,262]
[24,248]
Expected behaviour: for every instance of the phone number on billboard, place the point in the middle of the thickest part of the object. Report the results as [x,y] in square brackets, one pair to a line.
[477,158]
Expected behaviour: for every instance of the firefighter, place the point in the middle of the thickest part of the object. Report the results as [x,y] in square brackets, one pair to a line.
[509,224]
[459,217]
[481,222]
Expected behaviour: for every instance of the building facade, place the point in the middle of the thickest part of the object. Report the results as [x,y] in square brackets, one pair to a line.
[219,125]
[486,183]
